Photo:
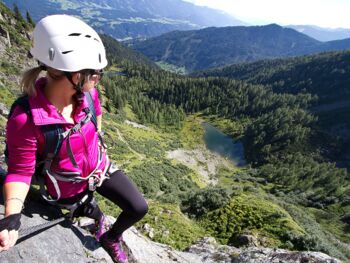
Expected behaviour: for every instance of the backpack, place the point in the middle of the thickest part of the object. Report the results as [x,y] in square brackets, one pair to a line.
[54,135]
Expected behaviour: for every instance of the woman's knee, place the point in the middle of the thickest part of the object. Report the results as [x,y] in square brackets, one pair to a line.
[141,209]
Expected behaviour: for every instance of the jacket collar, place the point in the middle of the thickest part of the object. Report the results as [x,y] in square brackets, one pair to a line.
[45,113]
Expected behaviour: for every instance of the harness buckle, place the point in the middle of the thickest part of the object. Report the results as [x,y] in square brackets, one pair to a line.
[92,185]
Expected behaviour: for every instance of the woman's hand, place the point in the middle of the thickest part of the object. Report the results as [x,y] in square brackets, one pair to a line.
[9,231]
[8,239]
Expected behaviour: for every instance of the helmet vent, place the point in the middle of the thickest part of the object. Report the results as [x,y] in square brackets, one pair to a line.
[99,58]
[88,36]
[66,52]
[51,53]
[96,39]
[74,34]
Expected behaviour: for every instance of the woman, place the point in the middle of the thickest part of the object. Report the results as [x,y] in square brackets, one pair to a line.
[73,55]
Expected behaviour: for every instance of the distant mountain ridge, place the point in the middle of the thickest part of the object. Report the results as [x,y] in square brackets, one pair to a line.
[125,19]
[215,47]
[322,34]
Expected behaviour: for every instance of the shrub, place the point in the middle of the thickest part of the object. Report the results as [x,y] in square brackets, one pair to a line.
[247,213]
[202,201]
[346,219]
[157,179]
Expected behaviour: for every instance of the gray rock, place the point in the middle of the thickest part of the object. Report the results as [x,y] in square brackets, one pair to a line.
[209,251]
[56,244]
[3,32]
[148,230]
[246,240]
[263,255]
[2,175]
[4,110]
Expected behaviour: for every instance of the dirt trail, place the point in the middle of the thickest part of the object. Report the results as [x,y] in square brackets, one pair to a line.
[120,137]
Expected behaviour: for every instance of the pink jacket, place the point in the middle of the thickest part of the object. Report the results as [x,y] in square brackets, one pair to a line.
[24,139]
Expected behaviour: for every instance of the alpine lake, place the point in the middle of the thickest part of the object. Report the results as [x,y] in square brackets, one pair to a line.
[218,142]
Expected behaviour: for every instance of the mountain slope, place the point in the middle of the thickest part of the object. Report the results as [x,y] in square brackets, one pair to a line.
[267,204]
[118,53]
[322,34]
[214,47]
[14,46]
[131,18]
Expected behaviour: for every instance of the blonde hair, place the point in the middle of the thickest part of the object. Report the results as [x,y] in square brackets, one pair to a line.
[28,81]
[30,76]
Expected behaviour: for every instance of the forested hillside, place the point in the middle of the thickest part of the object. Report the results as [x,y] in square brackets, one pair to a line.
[288,195]
[214,47]
[319,74]
[119,53]
[326,76]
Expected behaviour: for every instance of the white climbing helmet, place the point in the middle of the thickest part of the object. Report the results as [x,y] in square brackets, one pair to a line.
[66,43]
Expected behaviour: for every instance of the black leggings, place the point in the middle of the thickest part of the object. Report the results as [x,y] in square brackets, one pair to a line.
[122,191]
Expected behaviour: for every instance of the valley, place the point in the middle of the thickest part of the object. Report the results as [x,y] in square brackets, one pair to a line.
[286,190]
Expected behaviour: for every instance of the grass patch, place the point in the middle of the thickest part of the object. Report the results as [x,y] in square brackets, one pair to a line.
[324,241]
[129,114]
[9,68]
[330,219]
[192,132]
[172,68]
[6,96]
[170,226]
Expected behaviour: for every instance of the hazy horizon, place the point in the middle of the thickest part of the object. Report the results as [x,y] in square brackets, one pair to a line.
[330,14]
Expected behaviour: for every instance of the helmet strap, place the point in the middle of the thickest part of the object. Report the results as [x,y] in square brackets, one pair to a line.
[42,67]
[78,87]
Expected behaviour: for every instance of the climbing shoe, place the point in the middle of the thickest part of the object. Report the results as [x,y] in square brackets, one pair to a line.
[114,248]
[102,227]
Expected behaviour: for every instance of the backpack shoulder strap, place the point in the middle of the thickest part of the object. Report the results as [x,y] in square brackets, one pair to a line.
[91,108]
[53,142]
[23,102]
[53,139]
[51,132]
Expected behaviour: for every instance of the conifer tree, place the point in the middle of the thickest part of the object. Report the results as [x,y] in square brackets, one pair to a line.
[18,14]
[29,19]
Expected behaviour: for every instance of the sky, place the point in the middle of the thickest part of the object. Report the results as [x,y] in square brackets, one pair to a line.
[322,13]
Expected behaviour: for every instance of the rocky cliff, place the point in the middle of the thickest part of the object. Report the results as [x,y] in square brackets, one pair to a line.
[74,243]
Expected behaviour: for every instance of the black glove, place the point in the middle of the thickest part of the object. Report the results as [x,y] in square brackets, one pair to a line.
[11,222]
